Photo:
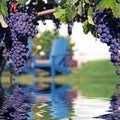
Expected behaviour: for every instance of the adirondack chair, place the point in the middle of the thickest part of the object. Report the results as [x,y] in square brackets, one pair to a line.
[57,58]
[56,62]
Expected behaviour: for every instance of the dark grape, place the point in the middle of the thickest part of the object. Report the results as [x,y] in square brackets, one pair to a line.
[22,24]
[114,111]
[57,23]
[15,106]
[70,28]
[107,27]
[118,72]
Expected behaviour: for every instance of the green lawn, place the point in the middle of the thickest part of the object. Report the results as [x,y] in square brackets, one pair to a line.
[93,79]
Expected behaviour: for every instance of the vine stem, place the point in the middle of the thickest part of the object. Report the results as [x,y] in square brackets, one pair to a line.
[50,11]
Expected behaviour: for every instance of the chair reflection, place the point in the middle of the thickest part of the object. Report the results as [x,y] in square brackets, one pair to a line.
[55,105]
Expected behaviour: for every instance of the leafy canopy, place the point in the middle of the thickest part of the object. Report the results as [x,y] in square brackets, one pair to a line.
[66,10]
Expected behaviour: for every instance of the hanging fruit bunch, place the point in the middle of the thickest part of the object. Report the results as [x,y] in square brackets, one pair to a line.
[21,21]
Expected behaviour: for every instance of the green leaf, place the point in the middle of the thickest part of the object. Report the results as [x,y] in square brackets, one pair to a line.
[106,4]
[70,14]
[21,1]
[90,11]
[116,11]
[87,27]
[60,14]
[79,7]
[115,6]
[90,20]
[74,1]
[3,8]
[87,1]
[97,1]
[90,17]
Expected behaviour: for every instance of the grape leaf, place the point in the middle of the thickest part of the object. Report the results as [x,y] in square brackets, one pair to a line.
[117,10]
[90,11]
[87,27]
[3,8]
[90,20]
[106,4]
[113,4]
[62,4]
[97,1]
[60,13]
[86,1]
[21,1]
[90,17]
[74,1]
[79,7]
[70,14]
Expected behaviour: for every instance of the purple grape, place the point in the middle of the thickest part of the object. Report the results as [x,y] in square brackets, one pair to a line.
[99,31]
[118,72]
[114,111]
[15,106]
[118,86]
[69,28]
[21,26]
[107,27]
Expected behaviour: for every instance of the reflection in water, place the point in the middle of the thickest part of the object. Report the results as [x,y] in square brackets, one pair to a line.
[49,104]
[53,105]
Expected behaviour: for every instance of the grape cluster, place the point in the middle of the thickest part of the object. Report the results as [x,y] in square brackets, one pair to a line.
[6,109]
[114,112]
[19,54]
[108,29]
[22,24]
[9,5]
[70,28]
[57,23]
[15,106]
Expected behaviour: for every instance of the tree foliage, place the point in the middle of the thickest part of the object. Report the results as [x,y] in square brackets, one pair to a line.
[43,42]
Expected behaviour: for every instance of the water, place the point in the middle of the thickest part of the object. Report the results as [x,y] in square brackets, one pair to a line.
[60,102]
[56,104]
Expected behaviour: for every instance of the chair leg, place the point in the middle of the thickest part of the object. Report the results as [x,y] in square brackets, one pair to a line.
[52,80]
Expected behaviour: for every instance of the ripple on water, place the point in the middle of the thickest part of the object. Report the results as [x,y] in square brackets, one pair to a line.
[54,105]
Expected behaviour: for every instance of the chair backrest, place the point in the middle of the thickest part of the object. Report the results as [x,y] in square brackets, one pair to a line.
[59,50]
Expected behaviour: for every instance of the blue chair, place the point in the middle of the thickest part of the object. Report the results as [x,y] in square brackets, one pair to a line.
[57,59]
[56,62]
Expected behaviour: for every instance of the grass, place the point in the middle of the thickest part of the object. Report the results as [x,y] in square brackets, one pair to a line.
[93,79]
